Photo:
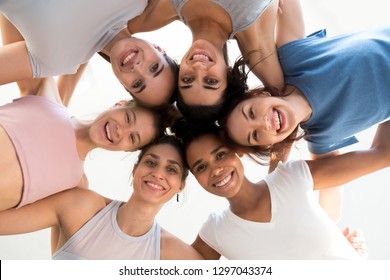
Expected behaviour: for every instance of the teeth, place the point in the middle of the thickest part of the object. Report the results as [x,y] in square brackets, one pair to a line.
[108,133]
[154,186]
[223,182]
[200,57]
[277,119]
[127,58]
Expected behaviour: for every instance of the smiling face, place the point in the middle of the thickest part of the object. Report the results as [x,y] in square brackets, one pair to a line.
[159,174]
[123,128]
[202,74]
[143,70]
[261,121]
[217,168]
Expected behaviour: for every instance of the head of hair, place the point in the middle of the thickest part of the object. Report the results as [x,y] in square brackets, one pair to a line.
[167,140]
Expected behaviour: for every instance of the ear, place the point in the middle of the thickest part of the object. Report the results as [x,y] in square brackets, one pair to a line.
[159,49]
[261,93]
[240,154]
[120,103]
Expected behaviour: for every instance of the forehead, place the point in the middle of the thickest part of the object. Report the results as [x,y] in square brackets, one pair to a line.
[165,152]
[197,95]
[158,89]
[202,147]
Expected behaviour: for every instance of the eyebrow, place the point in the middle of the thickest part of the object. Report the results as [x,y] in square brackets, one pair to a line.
[206,87]
[134,122]
[200,160]
[246,117]
[171,161]
[154,76]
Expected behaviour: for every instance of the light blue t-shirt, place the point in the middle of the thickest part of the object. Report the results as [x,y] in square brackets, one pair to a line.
[346,80]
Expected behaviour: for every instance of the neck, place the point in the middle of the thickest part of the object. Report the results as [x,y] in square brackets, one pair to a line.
[124,33]
[135,218]
[300,103]
[253,202]
[200,29]
[83,141]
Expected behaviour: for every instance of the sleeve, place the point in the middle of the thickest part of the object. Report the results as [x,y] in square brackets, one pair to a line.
[294,175]
[209,232]
[318,148]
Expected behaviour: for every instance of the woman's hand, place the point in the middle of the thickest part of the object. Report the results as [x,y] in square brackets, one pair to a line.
[357,240]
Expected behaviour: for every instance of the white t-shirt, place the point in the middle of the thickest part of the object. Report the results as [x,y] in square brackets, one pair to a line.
[61,35]
[299,227]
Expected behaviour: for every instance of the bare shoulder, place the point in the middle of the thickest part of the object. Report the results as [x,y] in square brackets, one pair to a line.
[173,248]
[80,202]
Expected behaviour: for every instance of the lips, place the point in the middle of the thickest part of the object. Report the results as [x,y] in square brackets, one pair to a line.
[129,57]
[154,186]
[224,182]
[200,57]
[108,132]
[278,120]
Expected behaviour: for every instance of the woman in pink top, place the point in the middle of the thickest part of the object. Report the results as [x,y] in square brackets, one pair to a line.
[43,147]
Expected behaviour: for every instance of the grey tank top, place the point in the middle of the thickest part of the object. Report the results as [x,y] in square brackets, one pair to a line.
[102,239]
[242,13]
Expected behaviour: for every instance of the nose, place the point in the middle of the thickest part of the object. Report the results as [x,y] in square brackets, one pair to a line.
[157,174]
[123,130]
[136,65]
[266,124]
[217,171]
[199,66]
[263,123]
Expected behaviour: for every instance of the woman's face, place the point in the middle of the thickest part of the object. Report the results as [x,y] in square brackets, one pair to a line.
[158,175]
[202,74]
[217,168]
[261,121]
[143,70]
[123,128]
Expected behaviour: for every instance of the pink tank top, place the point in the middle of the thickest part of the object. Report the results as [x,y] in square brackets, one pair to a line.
[44,139]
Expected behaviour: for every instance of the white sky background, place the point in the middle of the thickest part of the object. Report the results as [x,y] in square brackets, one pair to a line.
[366,200]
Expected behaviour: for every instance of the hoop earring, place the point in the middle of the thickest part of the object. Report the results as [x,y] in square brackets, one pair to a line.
[177,197]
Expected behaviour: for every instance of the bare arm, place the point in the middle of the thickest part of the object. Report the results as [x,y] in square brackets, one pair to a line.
[290,24]
[173,248]
[257,45]
[13,55]
[331,171]
[205,250]
[67,84]
[331,198]
[69,209]
[157,14]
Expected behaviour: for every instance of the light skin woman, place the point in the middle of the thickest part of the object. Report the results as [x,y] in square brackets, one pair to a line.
[219,170]
[121,128]
[204,69]
[158,176]
[147,69]
[125,127]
